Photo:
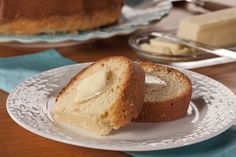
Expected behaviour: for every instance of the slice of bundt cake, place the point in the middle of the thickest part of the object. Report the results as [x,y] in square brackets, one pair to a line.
[167,95]
[104,96]
[27,17]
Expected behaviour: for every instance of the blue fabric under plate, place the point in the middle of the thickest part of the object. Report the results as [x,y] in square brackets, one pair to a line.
[13,70]
[223,145]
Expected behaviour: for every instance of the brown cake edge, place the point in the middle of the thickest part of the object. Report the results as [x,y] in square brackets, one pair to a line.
[51,25]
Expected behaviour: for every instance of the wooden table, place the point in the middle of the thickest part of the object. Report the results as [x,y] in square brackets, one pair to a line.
[16,141]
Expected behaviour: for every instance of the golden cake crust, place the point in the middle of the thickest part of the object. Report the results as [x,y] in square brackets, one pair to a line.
[86,19]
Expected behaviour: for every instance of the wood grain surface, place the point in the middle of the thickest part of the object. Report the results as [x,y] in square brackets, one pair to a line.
[16,141]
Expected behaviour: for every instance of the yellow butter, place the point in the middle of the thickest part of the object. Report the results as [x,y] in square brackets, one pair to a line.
[160,43]
[216,28]
[164,47]
[92,85]
[153,83]
[155,49]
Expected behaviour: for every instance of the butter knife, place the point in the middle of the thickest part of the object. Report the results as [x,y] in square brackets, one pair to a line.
[199,46]
[210,5]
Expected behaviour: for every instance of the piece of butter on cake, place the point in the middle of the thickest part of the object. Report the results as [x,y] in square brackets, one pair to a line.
[216,29]
[98,81]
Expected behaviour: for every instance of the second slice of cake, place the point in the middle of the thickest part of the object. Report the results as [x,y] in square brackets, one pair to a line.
[167,94]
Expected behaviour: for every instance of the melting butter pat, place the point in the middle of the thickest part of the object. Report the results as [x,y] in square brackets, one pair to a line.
[92,85]
[154,83]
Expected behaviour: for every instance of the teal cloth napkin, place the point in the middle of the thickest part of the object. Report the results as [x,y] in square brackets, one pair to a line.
[223,145]
[13,70]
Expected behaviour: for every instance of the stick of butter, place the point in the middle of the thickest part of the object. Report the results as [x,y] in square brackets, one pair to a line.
[216,29]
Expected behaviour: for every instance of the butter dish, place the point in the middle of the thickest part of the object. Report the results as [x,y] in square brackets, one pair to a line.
[140,39]
[187,61]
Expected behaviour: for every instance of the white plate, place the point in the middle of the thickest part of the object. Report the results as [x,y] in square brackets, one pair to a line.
[135,14]
[212,111]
